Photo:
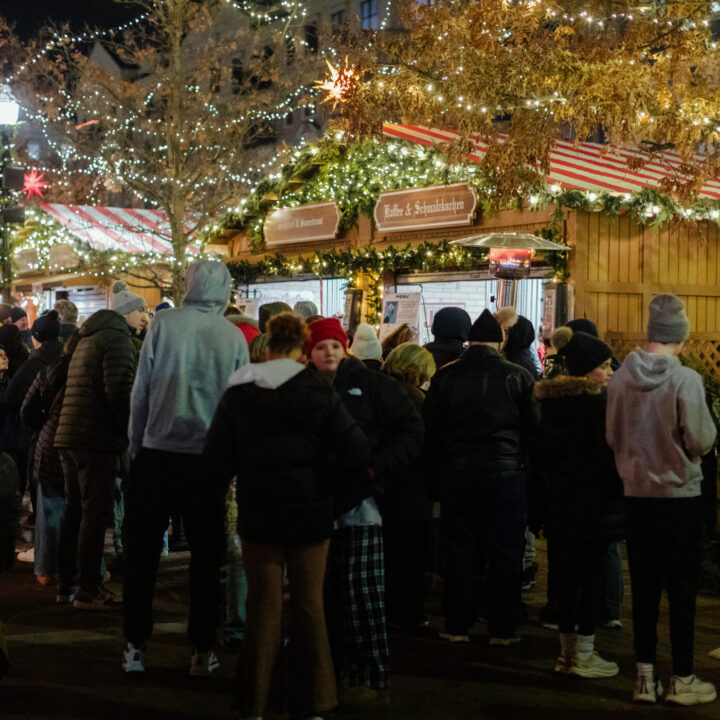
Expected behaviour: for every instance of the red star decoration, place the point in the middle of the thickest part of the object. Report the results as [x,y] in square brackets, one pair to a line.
[34,183]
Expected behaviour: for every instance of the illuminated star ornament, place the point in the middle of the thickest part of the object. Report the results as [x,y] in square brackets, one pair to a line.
[34,183]
[339,83]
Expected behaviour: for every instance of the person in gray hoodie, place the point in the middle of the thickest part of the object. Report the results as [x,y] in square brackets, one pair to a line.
[659,426]
[186,360]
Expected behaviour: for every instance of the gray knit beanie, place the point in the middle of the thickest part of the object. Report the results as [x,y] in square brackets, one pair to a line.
[305,309]
[667,320]
[124,301]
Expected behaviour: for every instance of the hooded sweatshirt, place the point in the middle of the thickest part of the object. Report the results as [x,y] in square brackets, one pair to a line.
[659,426]
[187,357]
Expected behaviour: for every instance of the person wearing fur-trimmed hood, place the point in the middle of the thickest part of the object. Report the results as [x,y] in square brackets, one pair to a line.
[581,497]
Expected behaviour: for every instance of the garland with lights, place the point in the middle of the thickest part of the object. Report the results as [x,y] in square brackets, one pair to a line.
[354,175]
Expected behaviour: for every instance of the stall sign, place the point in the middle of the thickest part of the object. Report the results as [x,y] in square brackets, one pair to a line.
[428,207]
[63,256]
[399,308]
[302,224]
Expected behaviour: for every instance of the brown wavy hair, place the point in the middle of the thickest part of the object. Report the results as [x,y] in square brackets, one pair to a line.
[286,332]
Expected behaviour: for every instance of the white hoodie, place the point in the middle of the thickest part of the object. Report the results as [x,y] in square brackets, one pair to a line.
[659,426]
[270,375]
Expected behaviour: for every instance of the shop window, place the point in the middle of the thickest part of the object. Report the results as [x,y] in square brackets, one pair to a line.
[369,15]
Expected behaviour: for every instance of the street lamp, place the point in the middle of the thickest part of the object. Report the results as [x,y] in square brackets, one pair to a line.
[510,257]
[11,180]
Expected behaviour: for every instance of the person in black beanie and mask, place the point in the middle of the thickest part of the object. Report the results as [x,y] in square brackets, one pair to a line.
[480,415]
[450,329]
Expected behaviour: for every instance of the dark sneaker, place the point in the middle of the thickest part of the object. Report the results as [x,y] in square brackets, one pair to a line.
[65,595]
[102,600]
[203,663]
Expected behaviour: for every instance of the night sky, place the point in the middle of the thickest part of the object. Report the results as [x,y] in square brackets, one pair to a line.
[28,16]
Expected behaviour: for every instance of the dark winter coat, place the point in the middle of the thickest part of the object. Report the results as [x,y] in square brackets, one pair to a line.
[96,407]
[17,353]
[9,425]
[391,423]
[66,331]
[406,496]
[10,505]
[41,413]
[521,336]
[479,414]
[445,350]
[581,493]
[48,353]
[278,443]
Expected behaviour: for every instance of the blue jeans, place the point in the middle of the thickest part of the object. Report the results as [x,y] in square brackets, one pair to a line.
[489,505]
[613,587]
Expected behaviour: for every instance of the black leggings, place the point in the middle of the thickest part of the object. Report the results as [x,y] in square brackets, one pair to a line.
[577,579]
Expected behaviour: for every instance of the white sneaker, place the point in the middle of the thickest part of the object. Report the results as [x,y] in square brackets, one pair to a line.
[647,690]
[504,642]
[693,693]
[27,556]
[133,659]
[563,666]
[594,667]
[613,625]
[454,638]
[202,664]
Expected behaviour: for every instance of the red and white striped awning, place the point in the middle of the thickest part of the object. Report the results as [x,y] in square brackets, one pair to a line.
[589,166]
[108,228]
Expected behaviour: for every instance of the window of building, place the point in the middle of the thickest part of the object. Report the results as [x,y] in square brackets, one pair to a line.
[311,38]
[289,119]
[337,19]
[369,14]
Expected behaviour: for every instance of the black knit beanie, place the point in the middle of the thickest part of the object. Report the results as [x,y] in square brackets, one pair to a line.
[486,329]
[584,353]
[47,327]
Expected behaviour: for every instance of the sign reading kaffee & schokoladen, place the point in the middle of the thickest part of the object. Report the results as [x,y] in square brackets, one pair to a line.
[302,224]
[428,207]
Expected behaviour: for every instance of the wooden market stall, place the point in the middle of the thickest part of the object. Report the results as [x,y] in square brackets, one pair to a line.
[620,254]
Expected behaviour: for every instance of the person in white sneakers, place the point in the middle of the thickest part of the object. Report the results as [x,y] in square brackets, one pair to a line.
[582,497]
[659,426]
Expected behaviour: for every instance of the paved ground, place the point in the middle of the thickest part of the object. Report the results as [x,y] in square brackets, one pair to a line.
[66,664]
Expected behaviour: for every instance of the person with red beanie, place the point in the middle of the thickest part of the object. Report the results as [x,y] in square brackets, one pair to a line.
[355,604]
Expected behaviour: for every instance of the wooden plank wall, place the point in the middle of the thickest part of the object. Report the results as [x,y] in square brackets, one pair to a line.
[618,266]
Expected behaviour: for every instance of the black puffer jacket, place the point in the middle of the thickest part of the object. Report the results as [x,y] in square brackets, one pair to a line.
[391,423]
[41,413]
[580,492]
[278,442]
[96,407]
[479,414]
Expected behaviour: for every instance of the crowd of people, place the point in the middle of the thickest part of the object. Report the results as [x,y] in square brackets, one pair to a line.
[329,458]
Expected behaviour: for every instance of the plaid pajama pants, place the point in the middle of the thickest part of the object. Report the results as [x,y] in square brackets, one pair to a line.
[355,607]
